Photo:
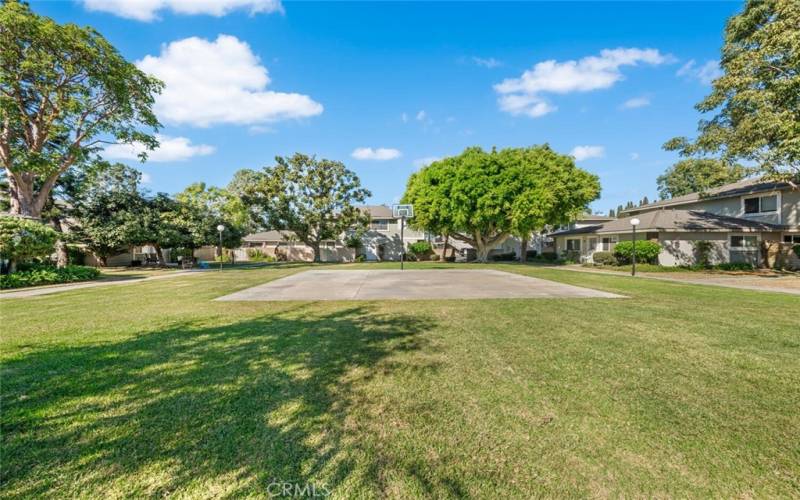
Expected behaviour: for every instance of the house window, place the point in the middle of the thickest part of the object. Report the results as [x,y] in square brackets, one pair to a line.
[744,242]
[592,244]
[574,245]
[379,224]
[651,236]
[791,238]
[328,244]
[761,204]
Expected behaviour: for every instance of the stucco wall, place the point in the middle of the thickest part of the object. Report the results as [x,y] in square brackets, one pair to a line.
[679,249]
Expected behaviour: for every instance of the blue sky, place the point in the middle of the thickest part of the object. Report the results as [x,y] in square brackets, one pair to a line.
[385,87]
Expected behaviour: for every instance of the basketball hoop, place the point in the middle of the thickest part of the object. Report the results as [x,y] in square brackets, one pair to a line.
[403,211]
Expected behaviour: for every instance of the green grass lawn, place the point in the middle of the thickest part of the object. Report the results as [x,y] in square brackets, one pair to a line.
[153,389]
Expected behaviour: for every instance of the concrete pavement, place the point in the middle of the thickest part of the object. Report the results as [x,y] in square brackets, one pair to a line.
[410,285]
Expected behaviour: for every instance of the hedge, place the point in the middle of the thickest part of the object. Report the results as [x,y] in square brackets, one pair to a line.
[604,258]
[646,252]
[47,275]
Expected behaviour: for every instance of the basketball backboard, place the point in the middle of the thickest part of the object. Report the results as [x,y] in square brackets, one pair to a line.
[403,211]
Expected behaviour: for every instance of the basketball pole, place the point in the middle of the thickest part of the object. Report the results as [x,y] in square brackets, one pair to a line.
[402,241]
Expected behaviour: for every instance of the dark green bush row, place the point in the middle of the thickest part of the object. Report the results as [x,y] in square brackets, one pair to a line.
[47,275]
[646,252]
[506,256]
[604,258]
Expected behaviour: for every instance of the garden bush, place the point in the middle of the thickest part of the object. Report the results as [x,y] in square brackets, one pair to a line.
[434,257]
[604,258]
[796,249]
[734,266]
[572,256]
[361,258]
[419,250]
[36,275]
[549,256]
[505,256]
[256,255]
[23,240]
[646,252]
[531,255]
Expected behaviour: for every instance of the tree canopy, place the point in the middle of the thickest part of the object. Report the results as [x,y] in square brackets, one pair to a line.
[64,91]
[315,198]
[696,175]
[757,99]
[24,239]
[482,198]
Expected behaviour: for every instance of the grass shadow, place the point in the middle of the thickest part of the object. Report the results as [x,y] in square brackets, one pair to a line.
[172,410]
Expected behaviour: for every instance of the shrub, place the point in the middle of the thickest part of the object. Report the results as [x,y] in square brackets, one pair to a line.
[360,258]
[505,256]
[734,266]
[256,255]
[419,250]
[24,239]
[703,249]
[646,252]
[549,256]
[47,275]
[572,256]
[604,258]
[796,249]
[434,256]
[531,255]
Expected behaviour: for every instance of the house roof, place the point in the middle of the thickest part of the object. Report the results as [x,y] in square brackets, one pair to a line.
[593,218]
[676,221]
[270,236]
[378,211]
[747,186]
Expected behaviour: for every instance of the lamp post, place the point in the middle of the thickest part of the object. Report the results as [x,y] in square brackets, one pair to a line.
[220,228]
[634,222]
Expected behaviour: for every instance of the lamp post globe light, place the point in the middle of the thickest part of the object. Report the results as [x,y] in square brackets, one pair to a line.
[634,222]
[220,228]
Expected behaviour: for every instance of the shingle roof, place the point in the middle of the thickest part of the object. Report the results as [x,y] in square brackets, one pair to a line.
[740,188]
[378,211]
[677,221]
[270,236]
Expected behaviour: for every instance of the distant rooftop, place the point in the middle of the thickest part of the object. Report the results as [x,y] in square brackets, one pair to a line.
[675,220]
[746,186]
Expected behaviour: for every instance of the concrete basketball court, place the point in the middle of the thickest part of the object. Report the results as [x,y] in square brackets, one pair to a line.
[411,285]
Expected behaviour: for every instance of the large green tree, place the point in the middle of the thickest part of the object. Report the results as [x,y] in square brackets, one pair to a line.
[105,205]
[482,198]
[696,175]
[756,102]
[202,208]
[315,198]
[64,92]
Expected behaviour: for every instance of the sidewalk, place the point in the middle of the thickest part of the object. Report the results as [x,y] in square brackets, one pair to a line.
[781,284]
[50,289]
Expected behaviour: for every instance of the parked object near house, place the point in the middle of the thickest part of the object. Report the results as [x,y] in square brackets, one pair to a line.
[750,222]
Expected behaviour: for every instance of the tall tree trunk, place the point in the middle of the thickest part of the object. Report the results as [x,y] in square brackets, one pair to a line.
[160,255]
[12,266]
[523,249]
[315,248]
[62,258]
[444,250]
[21,196]
[482,249]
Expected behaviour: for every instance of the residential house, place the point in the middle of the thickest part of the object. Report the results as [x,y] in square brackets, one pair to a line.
[382,240]
[284,245]
[750,221]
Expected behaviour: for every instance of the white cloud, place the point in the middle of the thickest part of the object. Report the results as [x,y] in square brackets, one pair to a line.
[404,117]
[422,115]
[705,74]
[424,162]
[634,156]
[490,62]
[377,154]
[169,149]
[636,102]
[147,10]
[585,152]
[146,178]
[219,82]
[524,95]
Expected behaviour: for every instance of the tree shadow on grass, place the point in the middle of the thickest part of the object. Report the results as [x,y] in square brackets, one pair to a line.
[191,407]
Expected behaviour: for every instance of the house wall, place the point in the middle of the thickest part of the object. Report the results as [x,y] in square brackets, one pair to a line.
[679,249]
[790,208]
